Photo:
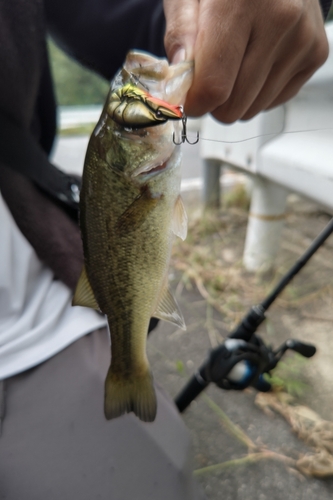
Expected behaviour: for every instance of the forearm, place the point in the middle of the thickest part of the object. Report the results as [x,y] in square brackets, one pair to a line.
[54,236]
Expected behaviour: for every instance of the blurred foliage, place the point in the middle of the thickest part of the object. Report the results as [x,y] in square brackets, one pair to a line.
[287,376]
[75,85]
[84,129]
[180,367]
[237,197]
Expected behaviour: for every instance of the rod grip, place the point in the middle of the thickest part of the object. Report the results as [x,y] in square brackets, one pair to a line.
[193,388]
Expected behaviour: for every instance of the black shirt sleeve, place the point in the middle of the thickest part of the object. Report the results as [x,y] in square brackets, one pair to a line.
[99,33]
[325,6]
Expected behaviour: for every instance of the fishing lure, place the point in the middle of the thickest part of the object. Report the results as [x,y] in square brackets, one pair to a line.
[132,107]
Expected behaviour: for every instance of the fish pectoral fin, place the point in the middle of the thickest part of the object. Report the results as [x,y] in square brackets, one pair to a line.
[168,309]
[83,295]
[179,221]
[137,212]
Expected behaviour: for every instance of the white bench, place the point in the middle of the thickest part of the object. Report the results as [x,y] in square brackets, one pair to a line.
[279,162]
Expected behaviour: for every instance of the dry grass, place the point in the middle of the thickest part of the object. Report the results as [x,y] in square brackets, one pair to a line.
[211,260]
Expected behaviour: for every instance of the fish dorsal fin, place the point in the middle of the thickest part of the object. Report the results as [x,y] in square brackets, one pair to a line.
[83,295]
[179,222]
[168,309]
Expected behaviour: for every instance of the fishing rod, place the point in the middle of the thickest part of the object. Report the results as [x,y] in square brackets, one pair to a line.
[243,358]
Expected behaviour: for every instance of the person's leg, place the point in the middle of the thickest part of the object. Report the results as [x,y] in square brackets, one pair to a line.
[57,445]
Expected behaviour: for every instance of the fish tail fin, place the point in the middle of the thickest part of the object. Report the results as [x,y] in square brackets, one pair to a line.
[136,394]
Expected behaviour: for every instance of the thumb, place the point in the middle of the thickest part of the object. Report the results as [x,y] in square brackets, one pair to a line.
[181,29]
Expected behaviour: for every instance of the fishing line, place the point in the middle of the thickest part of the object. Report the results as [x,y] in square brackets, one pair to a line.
[273,134]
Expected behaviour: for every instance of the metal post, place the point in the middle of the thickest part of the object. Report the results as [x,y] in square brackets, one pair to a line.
[265,224]
[211,187]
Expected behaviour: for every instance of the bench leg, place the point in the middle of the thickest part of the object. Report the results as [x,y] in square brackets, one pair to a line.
[211,188]
[265,224]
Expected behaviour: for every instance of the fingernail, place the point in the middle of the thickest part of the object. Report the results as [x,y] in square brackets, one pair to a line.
[179,56]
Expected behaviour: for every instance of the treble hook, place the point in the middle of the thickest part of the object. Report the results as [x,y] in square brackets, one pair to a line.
[184,134]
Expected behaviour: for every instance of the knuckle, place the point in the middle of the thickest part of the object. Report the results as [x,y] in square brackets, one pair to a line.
[217,95]
[312,44]
[251,113]
[225,115]
[320,51]
[288,13]
[207,98]
[316,57]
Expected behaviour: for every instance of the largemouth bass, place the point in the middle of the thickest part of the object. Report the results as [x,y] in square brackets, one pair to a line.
[130,210]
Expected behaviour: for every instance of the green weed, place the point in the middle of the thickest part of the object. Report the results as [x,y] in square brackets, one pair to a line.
[288,376]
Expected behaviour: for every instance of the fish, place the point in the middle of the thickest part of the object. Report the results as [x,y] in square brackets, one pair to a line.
[130,211]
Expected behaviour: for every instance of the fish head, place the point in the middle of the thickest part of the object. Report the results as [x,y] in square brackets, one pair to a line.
[144,110]
[169,82]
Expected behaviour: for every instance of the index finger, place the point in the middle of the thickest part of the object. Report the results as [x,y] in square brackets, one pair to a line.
[222,38]
[181,29]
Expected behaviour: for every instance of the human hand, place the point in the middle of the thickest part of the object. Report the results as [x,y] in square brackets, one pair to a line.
[249,55]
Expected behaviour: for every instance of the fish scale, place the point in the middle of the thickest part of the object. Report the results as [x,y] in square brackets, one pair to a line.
[130,210]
